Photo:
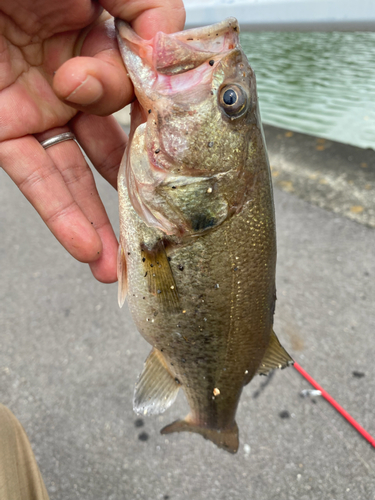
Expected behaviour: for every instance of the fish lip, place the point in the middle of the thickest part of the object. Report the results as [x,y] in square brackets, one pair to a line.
[219,28]
[121,24]
[203,43]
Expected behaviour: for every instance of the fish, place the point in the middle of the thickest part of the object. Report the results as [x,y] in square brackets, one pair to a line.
[197,250]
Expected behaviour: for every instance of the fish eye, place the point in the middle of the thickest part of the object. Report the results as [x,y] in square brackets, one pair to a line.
[230,97]
[233,100]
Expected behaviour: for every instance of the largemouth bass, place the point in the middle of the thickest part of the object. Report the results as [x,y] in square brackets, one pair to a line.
[197,229]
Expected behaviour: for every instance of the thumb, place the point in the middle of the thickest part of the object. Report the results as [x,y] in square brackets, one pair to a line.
[95,82]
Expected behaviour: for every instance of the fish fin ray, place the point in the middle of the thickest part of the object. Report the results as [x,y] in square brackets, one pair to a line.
[227,439]
[161,282]
[121,276]
[274,357]
[156,388]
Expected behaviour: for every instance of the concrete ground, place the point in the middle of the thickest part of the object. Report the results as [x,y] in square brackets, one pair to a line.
[332,175]
[69,358]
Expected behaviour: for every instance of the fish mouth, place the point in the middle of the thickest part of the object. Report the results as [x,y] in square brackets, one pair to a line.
[175,53]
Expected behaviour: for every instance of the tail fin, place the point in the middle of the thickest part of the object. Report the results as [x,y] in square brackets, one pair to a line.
[227,439]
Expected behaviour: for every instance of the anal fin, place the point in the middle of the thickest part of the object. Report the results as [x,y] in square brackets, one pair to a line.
[275,357]
[227,439]
[156,388]
[121,276]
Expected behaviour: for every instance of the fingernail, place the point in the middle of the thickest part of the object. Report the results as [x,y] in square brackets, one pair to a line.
[88,92]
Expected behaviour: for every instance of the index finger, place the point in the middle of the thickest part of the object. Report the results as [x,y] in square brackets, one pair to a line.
[98,84]
[147,17]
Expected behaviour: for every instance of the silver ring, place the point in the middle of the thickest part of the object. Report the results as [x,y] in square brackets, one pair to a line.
[65,136]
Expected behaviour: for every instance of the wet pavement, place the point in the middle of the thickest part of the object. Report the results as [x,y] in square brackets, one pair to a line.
[69,358]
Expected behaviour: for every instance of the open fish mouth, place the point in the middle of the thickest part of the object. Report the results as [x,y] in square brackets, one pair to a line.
[152,63]
[180,52]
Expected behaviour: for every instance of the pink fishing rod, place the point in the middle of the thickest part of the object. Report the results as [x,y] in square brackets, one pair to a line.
[335,404]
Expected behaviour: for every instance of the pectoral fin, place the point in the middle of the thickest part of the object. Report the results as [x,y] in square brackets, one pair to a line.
[275,357]
[156,388]
[160,278]
[121,276]
[227,439]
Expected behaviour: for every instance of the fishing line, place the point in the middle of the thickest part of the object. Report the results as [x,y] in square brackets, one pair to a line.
[346,443]
[329,423]
[335,404]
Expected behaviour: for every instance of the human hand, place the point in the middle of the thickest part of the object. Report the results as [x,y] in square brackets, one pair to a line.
[39,42]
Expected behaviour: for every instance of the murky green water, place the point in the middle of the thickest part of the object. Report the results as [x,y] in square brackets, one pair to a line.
[317,83]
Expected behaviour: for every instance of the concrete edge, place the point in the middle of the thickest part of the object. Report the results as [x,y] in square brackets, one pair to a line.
[332,175]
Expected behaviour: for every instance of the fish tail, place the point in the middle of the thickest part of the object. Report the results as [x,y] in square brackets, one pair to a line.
[227,439]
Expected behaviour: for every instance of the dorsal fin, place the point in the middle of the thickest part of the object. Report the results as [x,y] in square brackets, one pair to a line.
[274,357]
[156,388]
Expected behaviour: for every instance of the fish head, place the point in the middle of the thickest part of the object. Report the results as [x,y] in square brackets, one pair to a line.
[195,90]
[196,105]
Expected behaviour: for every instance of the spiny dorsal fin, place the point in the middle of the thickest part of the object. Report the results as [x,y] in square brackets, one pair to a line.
[227,439]
[275,357]
[160,278]
[156,388]
[121,276]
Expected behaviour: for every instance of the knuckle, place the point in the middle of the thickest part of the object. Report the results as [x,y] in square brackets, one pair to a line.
[61,212]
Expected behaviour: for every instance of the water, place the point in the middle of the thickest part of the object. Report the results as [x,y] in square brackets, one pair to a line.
[318,83]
